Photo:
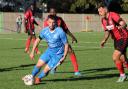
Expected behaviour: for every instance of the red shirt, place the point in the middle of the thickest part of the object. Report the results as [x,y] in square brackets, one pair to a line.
[111,24]
[30,20]
[60,23]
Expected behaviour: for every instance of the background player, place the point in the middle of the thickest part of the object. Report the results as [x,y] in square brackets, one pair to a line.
[115,26]
[60,22]
[18,23]
[29,22]
[56,51]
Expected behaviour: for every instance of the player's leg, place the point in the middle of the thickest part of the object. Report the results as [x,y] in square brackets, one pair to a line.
[28,42]
[42,74]
[37,67]
[54,60]
[74,61]
[19,31]
[33,41]
[17,27]
[123,49]
[119,64]
[123,58]
[44,59]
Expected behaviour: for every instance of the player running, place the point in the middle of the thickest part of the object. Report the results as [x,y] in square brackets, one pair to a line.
[60,22]
[29,22]
[56,51]
[115,26]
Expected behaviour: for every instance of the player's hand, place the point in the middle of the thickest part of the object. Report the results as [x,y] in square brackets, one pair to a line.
[31,56]
[39,27]
[62,60]
[102,43]
[74,40]
[24,31]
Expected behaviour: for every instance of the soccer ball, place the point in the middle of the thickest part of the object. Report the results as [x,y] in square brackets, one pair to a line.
[28,80]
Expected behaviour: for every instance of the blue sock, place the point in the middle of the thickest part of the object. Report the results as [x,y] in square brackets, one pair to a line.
[42,74]
[35,71]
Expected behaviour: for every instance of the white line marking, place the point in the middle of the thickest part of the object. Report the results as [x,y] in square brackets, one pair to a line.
[72,45]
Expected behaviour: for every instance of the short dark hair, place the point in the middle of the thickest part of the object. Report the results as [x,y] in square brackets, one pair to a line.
[52,8]
[52,17]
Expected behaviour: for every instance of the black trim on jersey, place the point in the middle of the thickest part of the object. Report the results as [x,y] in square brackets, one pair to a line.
[40,38]
[36,23]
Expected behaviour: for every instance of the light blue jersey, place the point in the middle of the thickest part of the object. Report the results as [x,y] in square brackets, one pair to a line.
[56,39]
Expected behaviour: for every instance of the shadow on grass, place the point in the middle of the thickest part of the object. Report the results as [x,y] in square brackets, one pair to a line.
[88,49]
[21,67]
[97,70]
[19,48]
[85,75]
[94,77]
[92,70]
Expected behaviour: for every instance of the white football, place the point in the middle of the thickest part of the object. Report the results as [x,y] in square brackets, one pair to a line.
[28,80]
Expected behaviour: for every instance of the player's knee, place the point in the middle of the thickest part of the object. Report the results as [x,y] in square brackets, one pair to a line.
[38,66]
[40,63]
[70,51]
[116,56]
[46,69]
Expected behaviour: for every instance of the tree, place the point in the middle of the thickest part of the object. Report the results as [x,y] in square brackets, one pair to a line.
[60,5]
[84,6]
[124,5]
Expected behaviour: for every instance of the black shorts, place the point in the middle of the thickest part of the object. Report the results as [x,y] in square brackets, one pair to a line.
[121,45]
[31,32]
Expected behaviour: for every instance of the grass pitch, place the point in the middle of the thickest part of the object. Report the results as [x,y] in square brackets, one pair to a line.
[95,64]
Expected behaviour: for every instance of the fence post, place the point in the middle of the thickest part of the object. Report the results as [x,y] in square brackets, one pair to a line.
[1,21]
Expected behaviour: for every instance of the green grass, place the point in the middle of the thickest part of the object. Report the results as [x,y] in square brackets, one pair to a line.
[95,64]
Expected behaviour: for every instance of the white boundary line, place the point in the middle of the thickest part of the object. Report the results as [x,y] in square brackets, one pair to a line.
[72,45]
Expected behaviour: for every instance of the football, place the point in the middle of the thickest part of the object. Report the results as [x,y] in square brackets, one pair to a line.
[28,80]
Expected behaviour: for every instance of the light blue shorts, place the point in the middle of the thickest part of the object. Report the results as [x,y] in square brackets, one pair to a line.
[50,58]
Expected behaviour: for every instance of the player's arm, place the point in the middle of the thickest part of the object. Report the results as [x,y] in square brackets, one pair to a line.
[38,24]
[25,24]
[72,36]
[36,43]
[116,17]
[25,21]
[66,45]
[106,36]
[68,32]
[65,52]
[122,24]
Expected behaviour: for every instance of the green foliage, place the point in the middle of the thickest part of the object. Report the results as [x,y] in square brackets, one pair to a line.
[84,6]
[125,5]
[69,6]
[60,5]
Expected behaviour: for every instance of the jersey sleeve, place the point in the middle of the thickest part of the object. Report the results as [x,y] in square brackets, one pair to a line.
[63,25]
[41,35]
[116,17]
[35,22]
[26,15]
[63,36]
